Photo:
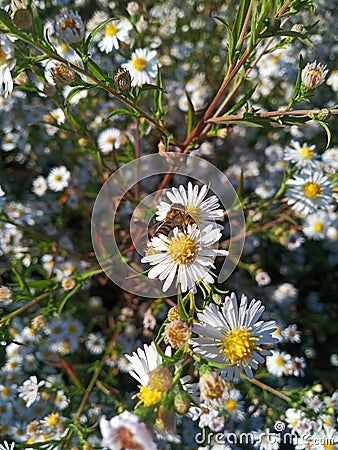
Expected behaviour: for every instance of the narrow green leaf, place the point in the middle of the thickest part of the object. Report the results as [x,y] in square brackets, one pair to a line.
[95,70]
[242,101]
[6,20]
[22,282]
[158,93]
[98,28]
[67,297]
[230,37]
[240,18]
[122,111]
[191,115]
[75,91]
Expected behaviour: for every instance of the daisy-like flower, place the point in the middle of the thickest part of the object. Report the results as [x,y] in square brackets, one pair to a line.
[296,367]
[69,27]
[188,255]
[144,362]
[176,333]
[7,63]
[142,66]
[58,178]
[313,75]
[203,211]
[300,155]
[308,192]
[113,33]
[316,225]
[95,343]
[291,334]
[29,391]
[233,337]
[108,140]
[276,363]
[5,295]
[126,431]
[330,159]
[39,186]
[6,446]
[213,388]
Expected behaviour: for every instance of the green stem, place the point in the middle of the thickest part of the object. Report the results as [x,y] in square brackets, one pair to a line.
[268,388]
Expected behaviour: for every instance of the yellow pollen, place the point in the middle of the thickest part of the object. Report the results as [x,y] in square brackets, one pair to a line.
[139,63]
[57,177]
[318,227]
[64,48]
[314,73]
[311,189]
[275,60]
[110,30]
[2,56]
[148,396]
[53,419]
[238,345]
[193,212]
[72,329]
[328,444]
[231,405]
[306,152]
[182,250]
[68,23]
[110,140]
[6,391]
[279,361]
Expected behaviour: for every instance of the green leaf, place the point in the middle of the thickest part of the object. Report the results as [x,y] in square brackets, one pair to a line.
[95,70]
[242,101]
[91,35]
[327,129]
[191,115]
[230,37]
[22,282]
[122,111]
[158,94]
[75,91]
[6,20]
[240,18]
[67,297]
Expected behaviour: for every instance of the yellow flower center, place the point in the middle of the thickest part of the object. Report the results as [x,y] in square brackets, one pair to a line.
[182,249]
[311,189]
[193,212]
[110,30]
[64,48]
[53,419]
[238,345]
[318,227]
[148,396]
[2,56]
[306,152]
[139,63]
[231,405]
[68,23]
[6,391]
[279,361]
[328,444]
[110,140]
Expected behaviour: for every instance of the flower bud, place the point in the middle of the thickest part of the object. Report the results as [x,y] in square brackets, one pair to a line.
[181,403]
[22,19]
[313,75]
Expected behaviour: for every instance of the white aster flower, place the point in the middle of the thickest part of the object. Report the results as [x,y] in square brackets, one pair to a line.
[95,343]
[113,33]
[203,211]
[108,140]
[291,334]
[39,186]
[333,80]
[7,63]
[142,66]
[313,75]
[308,192]
[69,27]
[6,446]
[330,160]
[29,391]
[232,337]
[188,255]
[316,225]
[143,362]
[300,155]
[276,362]
[126,431]
[58,178]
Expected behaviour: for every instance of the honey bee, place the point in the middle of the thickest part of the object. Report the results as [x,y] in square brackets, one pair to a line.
[177,217]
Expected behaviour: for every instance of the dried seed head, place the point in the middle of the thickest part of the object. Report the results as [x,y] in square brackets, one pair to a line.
[62,75]
[22,19]
[122,79]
